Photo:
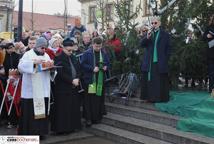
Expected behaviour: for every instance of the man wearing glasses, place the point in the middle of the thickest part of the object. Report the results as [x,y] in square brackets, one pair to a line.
[155,84]
[66,116]
[35,65]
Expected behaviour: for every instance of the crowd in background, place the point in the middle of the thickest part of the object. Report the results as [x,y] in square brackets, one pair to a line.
[82,43]
[84,60]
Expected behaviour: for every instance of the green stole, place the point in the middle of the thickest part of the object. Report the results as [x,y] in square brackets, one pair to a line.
[100,76]
[155,53]
[97,86]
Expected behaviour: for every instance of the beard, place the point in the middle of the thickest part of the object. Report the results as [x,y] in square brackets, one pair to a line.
[40,53]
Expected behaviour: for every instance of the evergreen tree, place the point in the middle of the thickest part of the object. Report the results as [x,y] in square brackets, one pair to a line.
[128,34]
[188,59]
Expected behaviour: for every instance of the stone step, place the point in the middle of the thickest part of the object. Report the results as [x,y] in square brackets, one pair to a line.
[158,131]
[123,136]
[66,138]
[134,102]
[144,114]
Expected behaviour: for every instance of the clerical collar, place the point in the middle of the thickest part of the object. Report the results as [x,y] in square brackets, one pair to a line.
[96,51]
[38,53]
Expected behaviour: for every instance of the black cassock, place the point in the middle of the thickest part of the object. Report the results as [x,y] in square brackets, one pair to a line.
[65,114]
[93,104]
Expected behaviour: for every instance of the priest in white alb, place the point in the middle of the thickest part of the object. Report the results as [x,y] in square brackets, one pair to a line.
[35,92]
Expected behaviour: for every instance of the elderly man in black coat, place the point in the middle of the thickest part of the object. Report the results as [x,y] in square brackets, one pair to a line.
[155,84]
[66,116]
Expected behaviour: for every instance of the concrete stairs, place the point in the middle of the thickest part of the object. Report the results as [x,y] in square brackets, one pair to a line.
[140,123]
[67,138]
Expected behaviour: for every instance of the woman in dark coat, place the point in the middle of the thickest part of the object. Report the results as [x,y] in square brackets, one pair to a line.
[66,116]
[94,64]
[155,86]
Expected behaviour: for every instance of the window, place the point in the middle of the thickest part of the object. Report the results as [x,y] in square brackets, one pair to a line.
[1,25]
[109,12]
[146,8]
[131,7]
[92,10]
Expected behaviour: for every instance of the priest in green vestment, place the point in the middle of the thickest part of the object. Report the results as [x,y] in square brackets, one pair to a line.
[94,64]
[155,81]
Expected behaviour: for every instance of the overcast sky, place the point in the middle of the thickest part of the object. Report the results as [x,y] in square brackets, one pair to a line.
[50,6]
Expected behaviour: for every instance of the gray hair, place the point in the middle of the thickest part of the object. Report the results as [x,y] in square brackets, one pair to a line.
[155,18]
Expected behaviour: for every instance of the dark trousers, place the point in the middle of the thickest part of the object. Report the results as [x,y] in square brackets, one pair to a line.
[211,74]
[94,106]
[157,88]
[28,125]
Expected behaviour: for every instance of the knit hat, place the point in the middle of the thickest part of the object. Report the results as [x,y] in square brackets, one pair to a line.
[68,42]
[57,36]
[52,41]
[41,42]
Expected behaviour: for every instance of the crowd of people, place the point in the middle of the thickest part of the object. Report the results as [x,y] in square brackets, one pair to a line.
[63,77]
[59,76]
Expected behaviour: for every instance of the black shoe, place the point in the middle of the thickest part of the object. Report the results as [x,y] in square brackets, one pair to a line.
[104,112]
[10,125]
[60,133]
[88,123]
[42,137]
[96,121]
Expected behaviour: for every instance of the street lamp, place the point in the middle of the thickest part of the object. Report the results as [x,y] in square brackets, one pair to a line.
[19,34]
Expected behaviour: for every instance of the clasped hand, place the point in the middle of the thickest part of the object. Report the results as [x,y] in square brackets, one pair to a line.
[75,82]
[96,69]
[209,36]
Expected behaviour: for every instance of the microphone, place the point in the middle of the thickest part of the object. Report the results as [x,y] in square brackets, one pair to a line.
[151,29]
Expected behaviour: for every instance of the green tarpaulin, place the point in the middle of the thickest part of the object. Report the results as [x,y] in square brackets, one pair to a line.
[196,109]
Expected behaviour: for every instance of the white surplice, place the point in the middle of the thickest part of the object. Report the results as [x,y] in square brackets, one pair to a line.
[35,85]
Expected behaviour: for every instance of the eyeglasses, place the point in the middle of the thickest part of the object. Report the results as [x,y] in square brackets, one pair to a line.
[154,23]
[69,50]
[42,48]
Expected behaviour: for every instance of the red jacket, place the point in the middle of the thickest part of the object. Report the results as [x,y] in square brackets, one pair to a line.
[116,44]
[52,54]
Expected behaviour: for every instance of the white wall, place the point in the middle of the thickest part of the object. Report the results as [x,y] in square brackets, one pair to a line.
[85,15]
[3,21]
[141,19]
